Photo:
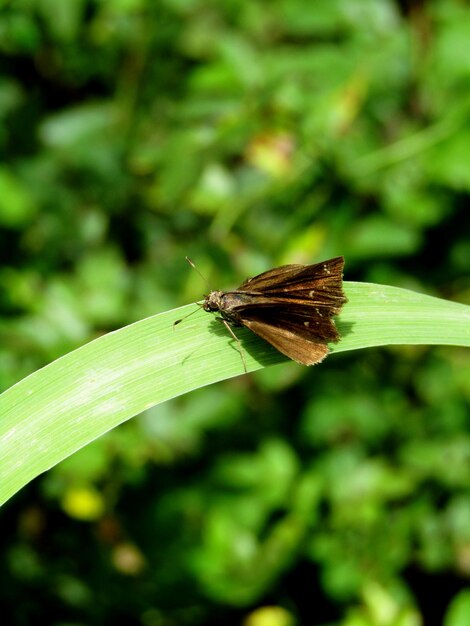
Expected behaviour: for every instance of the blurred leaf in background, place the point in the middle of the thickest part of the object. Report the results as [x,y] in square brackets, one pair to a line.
[245,135]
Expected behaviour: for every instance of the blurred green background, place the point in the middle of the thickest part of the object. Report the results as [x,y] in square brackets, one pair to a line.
[245,134]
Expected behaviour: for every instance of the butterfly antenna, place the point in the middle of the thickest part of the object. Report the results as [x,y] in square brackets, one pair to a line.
[195,268]
[199,304]
[186,316]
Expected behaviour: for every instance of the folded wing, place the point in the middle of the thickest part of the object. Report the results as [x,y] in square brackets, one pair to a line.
[299,347]
[319,285]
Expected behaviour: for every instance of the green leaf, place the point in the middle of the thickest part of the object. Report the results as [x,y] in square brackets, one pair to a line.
[62,407]
[458,613]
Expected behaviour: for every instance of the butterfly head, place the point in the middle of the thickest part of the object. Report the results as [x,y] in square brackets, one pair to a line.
[213,301]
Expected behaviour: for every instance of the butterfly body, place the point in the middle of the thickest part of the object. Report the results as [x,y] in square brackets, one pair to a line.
[291,307]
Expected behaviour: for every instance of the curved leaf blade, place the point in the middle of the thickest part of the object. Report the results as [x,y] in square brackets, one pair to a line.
[67,404]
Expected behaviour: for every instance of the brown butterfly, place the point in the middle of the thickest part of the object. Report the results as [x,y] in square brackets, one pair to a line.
[291,307]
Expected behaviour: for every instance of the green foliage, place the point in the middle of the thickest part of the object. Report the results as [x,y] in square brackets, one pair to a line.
[245,135]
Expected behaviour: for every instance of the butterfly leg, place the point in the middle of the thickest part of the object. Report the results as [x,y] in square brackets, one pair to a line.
[240,350]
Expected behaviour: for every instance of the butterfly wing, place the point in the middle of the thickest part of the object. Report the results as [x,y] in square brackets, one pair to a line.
[300,347]
[318,285]
[291,307]
[271,278]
